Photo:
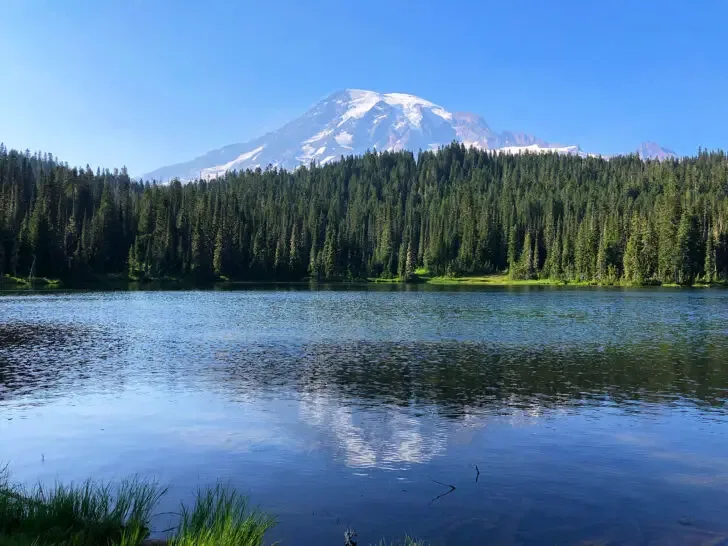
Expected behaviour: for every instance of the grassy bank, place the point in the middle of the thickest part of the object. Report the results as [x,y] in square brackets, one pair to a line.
[96,514]
[503,279]
[497,280]
[421,276]
[93,514]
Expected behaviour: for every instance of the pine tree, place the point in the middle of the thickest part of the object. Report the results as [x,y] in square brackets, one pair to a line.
[512,250]
[583,256]
[602,266]
[218,260]
[409,270]
[200,263]
[555,270]
[667,258]
[649,258]
[314,268]
[402,262]
[683,256]
[40,240]
[568,271]
[294,252]
[632,271]
[329,254]
[2,256]
[709,266]
[133,266]
[524,268]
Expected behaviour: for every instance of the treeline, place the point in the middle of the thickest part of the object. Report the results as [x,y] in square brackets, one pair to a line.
[456,211]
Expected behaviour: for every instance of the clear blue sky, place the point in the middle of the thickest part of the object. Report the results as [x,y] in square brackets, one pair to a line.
[145,83]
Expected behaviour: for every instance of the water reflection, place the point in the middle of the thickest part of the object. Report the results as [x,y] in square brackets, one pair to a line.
[384,439]
[592,416]
[459,378]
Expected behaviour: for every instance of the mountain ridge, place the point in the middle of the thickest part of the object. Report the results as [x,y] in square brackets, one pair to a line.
[352,121]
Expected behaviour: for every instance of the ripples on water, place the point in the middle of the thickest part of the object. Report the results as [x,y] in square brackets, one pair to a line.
[469,376]
[591,415]
[41,359]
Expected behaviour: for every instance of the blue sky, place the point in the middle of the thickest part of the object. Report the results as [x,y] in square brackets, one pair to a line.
[145,83]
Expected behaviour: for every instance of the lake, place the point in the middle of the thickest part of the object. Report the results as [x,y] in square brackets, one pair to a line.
[494,416]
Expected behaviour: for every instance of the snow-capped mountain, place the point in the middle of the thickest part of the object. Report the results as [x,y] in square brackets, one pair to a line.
[353,121]
[652,150]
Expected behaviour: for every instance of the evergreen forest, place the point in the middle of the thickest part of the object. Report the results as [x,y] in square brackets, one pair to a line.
[452,212]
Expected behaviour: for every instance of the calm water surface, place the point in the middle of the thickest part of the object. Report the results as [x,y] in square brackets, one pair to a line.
[592,416]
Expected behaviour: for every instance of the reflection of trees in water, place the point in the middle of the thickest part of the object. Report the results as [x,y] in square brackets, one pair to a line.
[382,404]
[38,357]
[454,377]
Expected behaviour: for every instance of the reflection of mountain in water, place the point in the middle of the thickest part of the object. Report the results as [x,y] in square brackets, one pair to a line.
[384,438]
[390,405]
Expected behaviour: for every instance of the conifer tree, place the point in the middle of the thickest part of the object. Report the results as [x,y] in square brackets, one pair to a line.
[683,256]
[2,256]
[512,250]
[632,271]
[709,266]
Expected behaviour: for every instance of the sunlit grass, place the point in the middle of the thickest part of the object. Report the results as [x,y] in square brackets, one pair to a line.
[92,514]
[221,517]
[495,280]
[89,514]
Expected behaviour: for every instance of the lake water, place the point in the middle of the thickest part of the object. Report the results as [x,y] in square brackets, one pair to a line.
[558,416]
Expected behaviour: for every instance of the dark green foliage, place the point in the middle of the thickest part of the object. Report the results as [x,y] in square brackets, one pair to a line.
[452,212]
[96,514]
[709,264]
[85,515]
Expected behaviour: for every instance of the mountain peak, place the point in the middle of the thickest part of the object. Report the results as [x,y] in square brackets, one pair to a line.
[352,121]
[361,101]
[652,150]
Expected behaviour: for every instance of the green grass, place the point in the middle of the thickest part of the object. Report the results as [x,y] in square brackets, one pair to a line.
[501,279]
[496,280]
[89,514]
[378,280]
[423,275]
[94,514]
[221,517]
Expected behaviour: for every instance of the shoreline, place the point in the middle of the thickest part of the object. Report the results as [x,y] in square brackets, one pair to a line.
[115,281]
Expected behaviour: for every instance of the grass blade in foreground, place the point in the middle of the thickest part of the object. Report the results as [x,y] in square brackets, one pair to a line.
[87,515]
[221,518]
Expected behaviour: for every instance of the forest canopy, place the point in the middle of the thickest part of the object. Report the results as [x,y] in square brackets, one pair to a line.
[454,211]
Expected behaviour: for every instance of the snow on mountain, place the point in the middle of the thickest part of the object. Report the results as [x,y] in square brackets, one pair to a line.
[353,121]
[535,149]
[652,150]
